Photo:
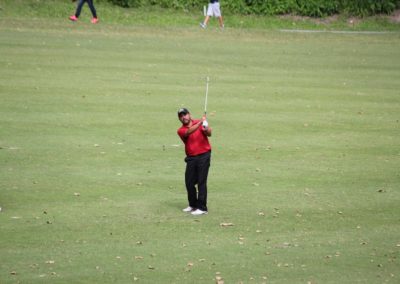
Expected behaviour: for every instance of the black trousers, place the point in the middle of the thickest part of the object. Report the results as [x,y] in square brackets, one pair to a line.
[196,174]
[91,6]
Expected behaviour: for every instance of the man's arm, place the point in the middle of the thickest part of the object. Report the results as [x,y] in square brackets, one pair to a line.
[192,129]
[207,131]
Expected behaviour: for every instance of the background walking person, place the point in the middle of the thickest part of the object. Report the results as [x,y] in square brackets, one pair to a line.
[213,10]
[75,17]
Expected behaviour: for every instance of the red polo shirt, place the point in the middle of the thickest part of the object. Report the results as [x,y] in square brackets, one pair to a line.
[196,143]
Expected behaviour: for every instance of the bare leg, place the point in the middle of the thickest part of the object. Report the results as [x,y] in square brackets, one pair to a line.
[206,20]
[221,22]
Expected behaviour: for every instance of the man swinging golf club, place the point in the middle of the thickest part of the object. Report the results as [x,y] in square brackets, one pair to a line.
[194,134]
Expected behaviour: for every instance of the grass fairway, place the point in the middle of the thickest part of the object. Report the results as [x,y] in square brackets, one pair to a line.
[305,155]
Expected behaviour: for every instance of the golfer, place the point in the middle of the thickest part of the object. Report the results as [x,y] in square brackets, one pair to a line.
[194,134]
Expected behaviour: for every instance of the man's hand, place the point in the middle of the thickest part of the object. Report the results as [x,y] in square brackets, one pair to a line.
[205,124]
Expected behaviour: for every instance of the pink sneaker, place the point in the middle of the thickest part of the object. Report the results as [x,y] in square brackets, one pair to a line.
[73,18]
[94,20]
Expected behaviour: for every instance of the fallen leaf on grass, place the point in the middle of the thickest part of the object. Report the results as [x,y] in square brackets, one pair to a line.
[226,224]
[50,262]
[219,280]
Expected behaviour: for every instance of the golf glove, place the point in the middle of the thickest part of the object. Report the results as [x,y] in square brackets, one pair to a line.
[205,124]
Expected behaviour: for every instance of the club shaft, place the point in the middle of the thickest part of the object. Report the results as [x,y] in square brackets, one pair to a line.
[205,103]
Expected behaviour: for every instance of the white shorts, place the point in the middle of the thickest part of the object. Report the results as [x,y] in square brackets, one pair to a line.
[214,10]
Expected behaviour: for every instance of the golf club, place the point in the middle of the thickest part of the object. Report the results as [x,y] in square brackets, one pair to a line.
[205,104]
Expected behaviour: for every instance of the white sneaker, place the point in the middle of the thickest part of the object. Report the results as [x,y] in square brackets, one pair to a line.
[203,25]
[199,212]
[188,209]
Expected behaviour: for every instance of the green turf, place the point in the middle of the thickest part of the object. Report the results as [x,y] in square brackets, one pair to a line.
[305,155]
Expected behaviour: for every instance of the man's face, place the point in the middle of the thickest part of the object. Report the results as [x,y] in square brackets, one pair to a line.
[185,118]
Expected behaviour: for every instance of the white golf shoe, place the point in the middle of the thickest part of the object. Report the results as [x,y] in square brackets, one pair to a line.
[188,209]
[199,212]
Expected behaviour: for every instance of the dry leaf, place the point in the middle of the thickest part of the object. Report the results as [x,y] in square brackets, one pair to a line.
[219,280]
[50,262]
[226,224]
